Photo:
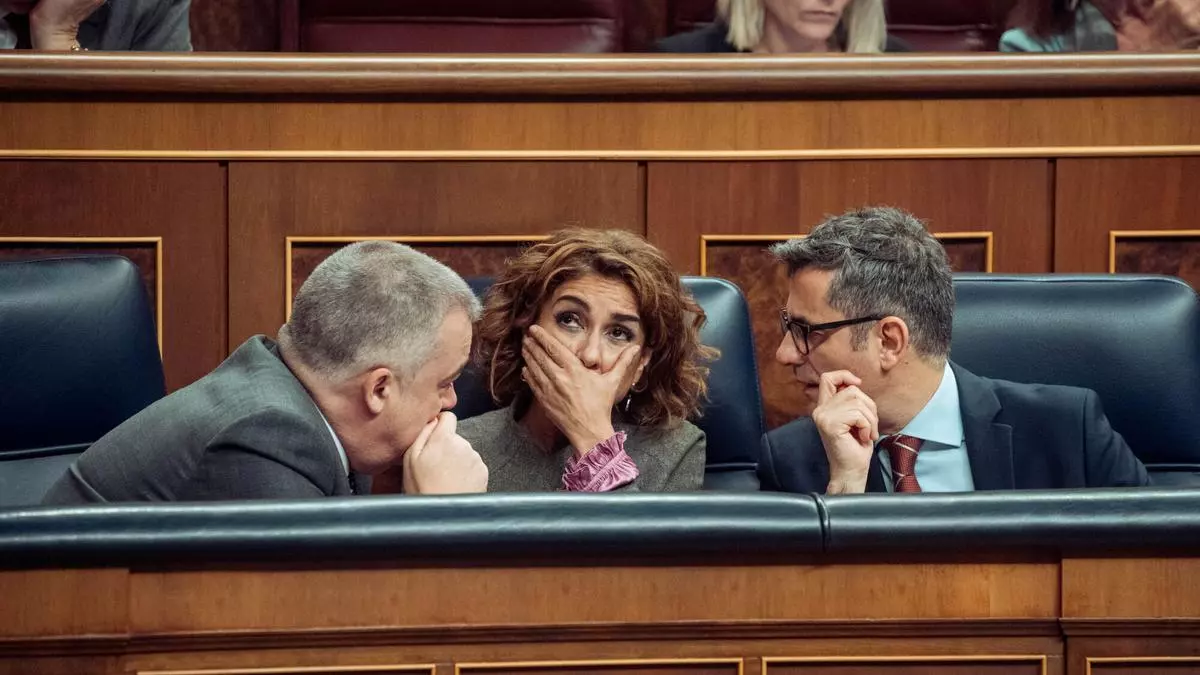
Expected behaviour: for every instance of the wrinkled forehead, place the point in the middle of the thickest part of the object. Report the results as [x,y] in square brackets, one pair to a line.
[601,294]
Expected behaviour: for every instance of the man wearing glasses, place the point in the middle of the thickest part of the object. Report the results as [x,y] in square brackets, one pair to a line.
[866,331]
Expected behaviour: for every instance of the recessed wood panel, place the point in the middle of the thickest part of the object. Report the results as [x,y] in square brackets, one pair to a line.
[64,602]
[908,666]
[1131,587]
[182,202]
[60,665]
[763,281]
[599,123]
[469,259]
[272,201]
[679,667]
[199,601]
[1009,198]
[1176,254]
[1121,647]
[1094,197]
[302,670]
[1148,666]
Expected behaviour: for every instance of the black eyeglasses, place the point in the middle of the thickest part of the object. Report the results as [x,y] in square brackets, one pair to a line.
[801,331]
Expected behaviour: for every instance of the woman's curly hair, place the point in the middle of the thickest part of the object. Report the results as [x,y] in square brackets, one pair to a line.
[676,376]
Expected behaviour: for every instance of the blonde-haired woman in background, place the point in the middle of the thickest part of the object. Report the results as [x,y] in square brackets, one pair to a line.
[790,26]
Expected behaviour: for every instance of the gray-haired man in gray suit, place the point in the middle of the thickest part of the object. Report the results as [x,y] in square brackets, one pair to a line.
[357,382]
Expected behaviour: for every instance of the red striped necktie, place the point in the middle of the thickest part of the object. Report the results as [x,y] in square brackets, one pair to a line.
[902,451]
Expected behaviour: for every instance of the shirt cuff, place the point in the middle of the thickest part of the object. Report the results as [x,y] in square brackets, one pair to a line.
[607,467]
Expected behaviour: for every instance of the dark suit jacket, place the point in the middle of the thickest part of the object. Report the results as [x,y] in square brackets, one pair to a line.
[1018,436]
[247,430]
[711,39]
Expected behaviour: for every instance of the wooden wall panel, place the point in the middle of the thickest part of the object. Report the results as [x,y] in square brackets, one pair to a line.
[182,202]
[587,128]
[316,599]
[62,665]
[1008,197]
[1120,653]
[271,201]
[1131,588]
[1177,254]
[980,665]
[50,603]
[480,258]
[679,667]
[1147,195]
[235,25]
[1148,666]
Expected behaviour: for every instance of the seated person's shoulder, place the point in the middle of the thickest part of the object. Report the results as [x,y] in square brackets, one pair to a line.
[1020,396]
[480,427]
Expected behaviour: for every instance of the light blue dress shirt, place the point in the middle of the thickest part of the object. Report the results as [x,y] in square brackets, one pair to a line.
[942,463]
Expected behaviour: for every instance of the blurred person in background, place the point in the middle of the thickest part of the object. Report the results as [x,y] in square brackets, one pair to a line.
[100,25]
[790,26]
[1102,25]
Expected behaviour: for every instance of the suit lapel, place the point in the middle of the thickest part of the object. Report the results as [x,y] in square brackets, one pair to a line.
[989,444]
[875,479]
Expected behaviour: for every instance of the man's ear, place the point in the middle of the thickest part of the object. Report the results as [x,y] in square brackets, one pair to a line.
[376,389]
[893,341]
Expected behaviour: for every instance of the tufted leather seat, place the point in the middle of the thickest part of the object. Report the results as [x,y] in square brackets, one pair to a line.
[80,356]
[1134,340]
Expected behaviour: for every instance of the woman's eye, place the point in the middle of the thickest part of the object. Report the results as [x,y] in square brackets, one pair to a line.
[569,319]
[623,334]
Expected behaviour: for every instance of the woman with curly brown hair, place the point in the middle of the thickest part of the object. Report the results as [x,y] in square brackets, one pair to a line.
[592,346]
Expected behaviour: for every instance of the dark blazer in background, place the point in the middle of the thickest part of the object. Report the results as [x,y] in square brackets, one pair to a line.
[711,39]
[247,430]
[1018,437]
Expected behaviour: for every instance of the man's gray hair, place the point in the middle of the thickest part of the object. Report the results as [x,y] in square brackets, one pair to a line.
[884,262]
[373,303]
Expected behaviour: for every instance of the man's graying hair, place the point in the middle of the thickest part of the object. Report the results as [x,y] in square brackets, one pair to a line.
[373,303]
[884,262]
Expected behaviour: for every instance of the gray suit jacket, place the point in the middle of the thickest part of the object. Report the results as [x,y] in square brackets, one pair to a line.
[247,430]
[668,460]
[139,26]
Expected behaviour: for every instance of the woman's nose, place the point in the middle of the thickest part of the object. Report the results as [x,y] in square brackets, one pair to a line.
[589,351]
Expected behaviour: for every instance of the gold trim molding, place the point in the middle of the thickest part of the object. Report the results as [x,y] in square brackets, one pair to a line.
[1034,152]
[1040,659]
[985,236]
[290,242]
[158,264]
[349,670]
[461,668]
[1115,235]
[1136,660]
